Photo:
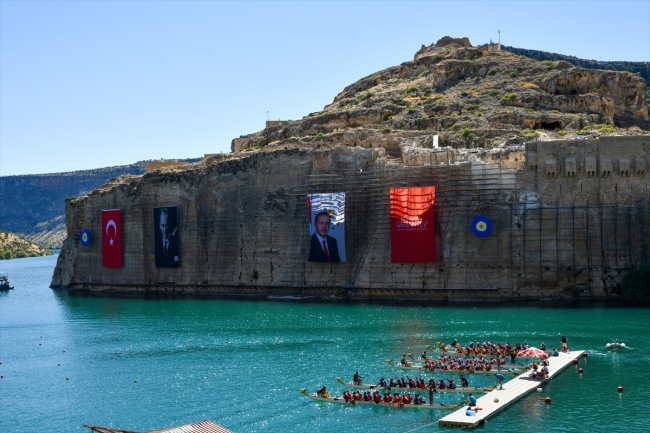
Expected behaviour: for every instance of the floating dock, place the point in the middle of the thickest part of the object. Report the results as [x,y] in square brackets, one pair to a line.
[512,391]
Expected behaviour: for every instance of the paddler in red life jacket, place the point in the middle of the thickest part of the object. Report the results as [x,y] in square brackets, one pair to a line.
[367,396]
[421,384]
[402,383]
[357,396]
[452,385]
[397,398]
[377,397]
[347,396]
[411,383]
[387,398]
[432,383]
[408,399]
[442,384]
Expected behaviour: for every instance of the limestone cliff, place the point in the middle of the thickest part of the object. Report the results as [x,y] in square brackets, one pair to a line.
[570,217]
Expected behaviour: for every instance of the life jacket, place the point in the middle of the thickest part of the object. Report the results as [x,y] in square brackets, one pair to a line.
[452,385]
[442,384]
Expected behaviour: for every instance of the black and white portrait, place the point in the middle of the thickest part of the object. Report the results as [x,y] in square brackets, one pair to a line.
[166,236]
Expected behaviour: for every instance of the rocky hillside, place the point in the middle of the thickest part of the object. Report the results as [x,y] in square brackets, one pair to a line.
[34,205]
[470,97]
[15,247]
[642,68]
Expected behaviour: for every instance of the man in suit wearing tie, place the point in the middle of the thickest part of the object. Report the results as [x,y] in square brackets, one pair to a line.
[166,242]
[323,247]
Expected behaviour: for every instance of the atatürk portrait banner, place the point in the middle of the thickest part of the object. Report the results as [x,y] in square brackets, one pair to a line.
[166,236]
[412,227]
[326,227]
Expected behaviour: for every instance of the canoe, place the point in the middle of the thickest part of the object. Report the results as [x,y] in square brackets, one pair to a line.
[418,390]
[503,370]
[338,399]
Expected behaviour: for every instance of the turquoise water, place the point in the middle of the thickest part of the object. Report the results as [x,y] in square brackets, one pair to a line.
[242,364]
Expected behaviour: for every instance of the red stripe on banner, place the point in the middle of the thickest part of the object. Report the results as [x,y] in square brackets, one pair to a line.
[112,238]
[412,225]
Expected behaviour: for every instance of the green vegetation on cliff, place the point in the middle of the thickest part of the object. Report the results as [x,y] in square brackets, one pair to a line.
[15,247]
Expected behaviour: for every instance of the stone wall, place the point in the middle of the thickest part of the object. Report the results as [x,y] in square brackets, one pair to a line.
[243,225]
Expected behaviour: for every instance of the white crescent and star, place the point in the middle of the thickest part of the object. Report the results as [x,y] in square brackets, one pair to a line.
[108,224]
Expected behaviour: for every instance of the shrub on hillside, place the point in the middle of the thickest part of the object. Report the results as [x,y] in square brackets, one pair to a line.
[492,71]
[508,97]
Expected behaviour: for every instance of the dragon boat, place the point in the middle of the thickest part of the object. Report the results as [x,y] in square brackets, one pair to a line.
[503,370]
[459,389]
[339,399]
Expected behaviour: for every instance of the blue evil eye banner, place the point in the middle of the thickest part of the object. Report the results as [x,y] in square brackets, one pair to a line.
[85,237]
[166,236]
[326,227]
[481,226]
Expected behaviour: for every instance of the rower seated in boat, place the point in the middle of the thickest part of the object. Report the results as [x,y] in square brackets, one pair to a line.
[452,385]
[411,382]
[382,382]
[347,396]
[357,379]
[377,397]
[323,392]
[463,381]
[442,384]
[404,360]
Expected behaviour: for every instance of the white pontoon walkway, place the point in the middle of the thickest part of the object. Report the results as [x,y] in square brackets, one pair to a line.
[512,391]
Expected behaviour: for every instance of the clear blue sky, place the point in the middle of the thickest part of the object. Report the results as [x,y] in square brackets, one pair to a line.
[95,84]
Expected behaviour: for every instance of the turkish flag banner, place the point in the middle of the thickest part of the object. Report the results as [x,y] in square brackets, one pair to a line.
[412,228]
[112,238]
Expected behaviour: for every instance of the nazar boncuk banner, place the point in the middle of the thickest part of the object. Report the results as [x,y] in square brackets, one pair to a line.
[166,236]
[112,238]
[412,224]
[326,227]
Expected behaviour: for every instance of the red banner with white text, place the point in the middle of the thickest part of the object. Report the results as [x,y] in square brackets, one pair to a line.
[412,226]
[112,238]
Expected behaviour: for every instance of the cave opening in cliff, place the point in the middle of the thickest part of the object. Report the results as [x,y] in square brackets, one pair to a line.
[550,126]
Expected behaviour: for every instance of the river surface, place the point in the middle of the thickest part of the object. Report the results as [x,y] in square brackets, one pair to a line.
[147,364]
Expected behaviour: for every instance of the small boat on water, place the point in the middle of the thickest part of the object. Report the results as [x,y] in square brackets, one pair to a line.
[411,366]
[615,344]
[4,282]
[339,399]
[398,388]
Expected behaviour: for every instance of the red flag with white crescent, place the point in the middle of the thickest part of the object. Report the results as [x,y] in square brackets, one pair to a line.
[112,238]
[412,225]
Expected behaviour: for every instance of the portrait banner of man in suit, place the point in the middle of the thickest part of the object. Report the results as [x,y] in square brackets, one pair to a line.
[326,227]
[166,236]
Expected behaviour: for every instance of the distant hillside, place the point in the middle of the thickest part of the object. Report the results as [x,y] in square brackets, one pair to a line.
[34,205]
[15,247]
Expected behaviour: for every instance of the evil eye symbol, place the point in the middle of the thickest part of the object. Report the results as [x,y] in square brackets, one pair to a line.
[85,237]
[481,226]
